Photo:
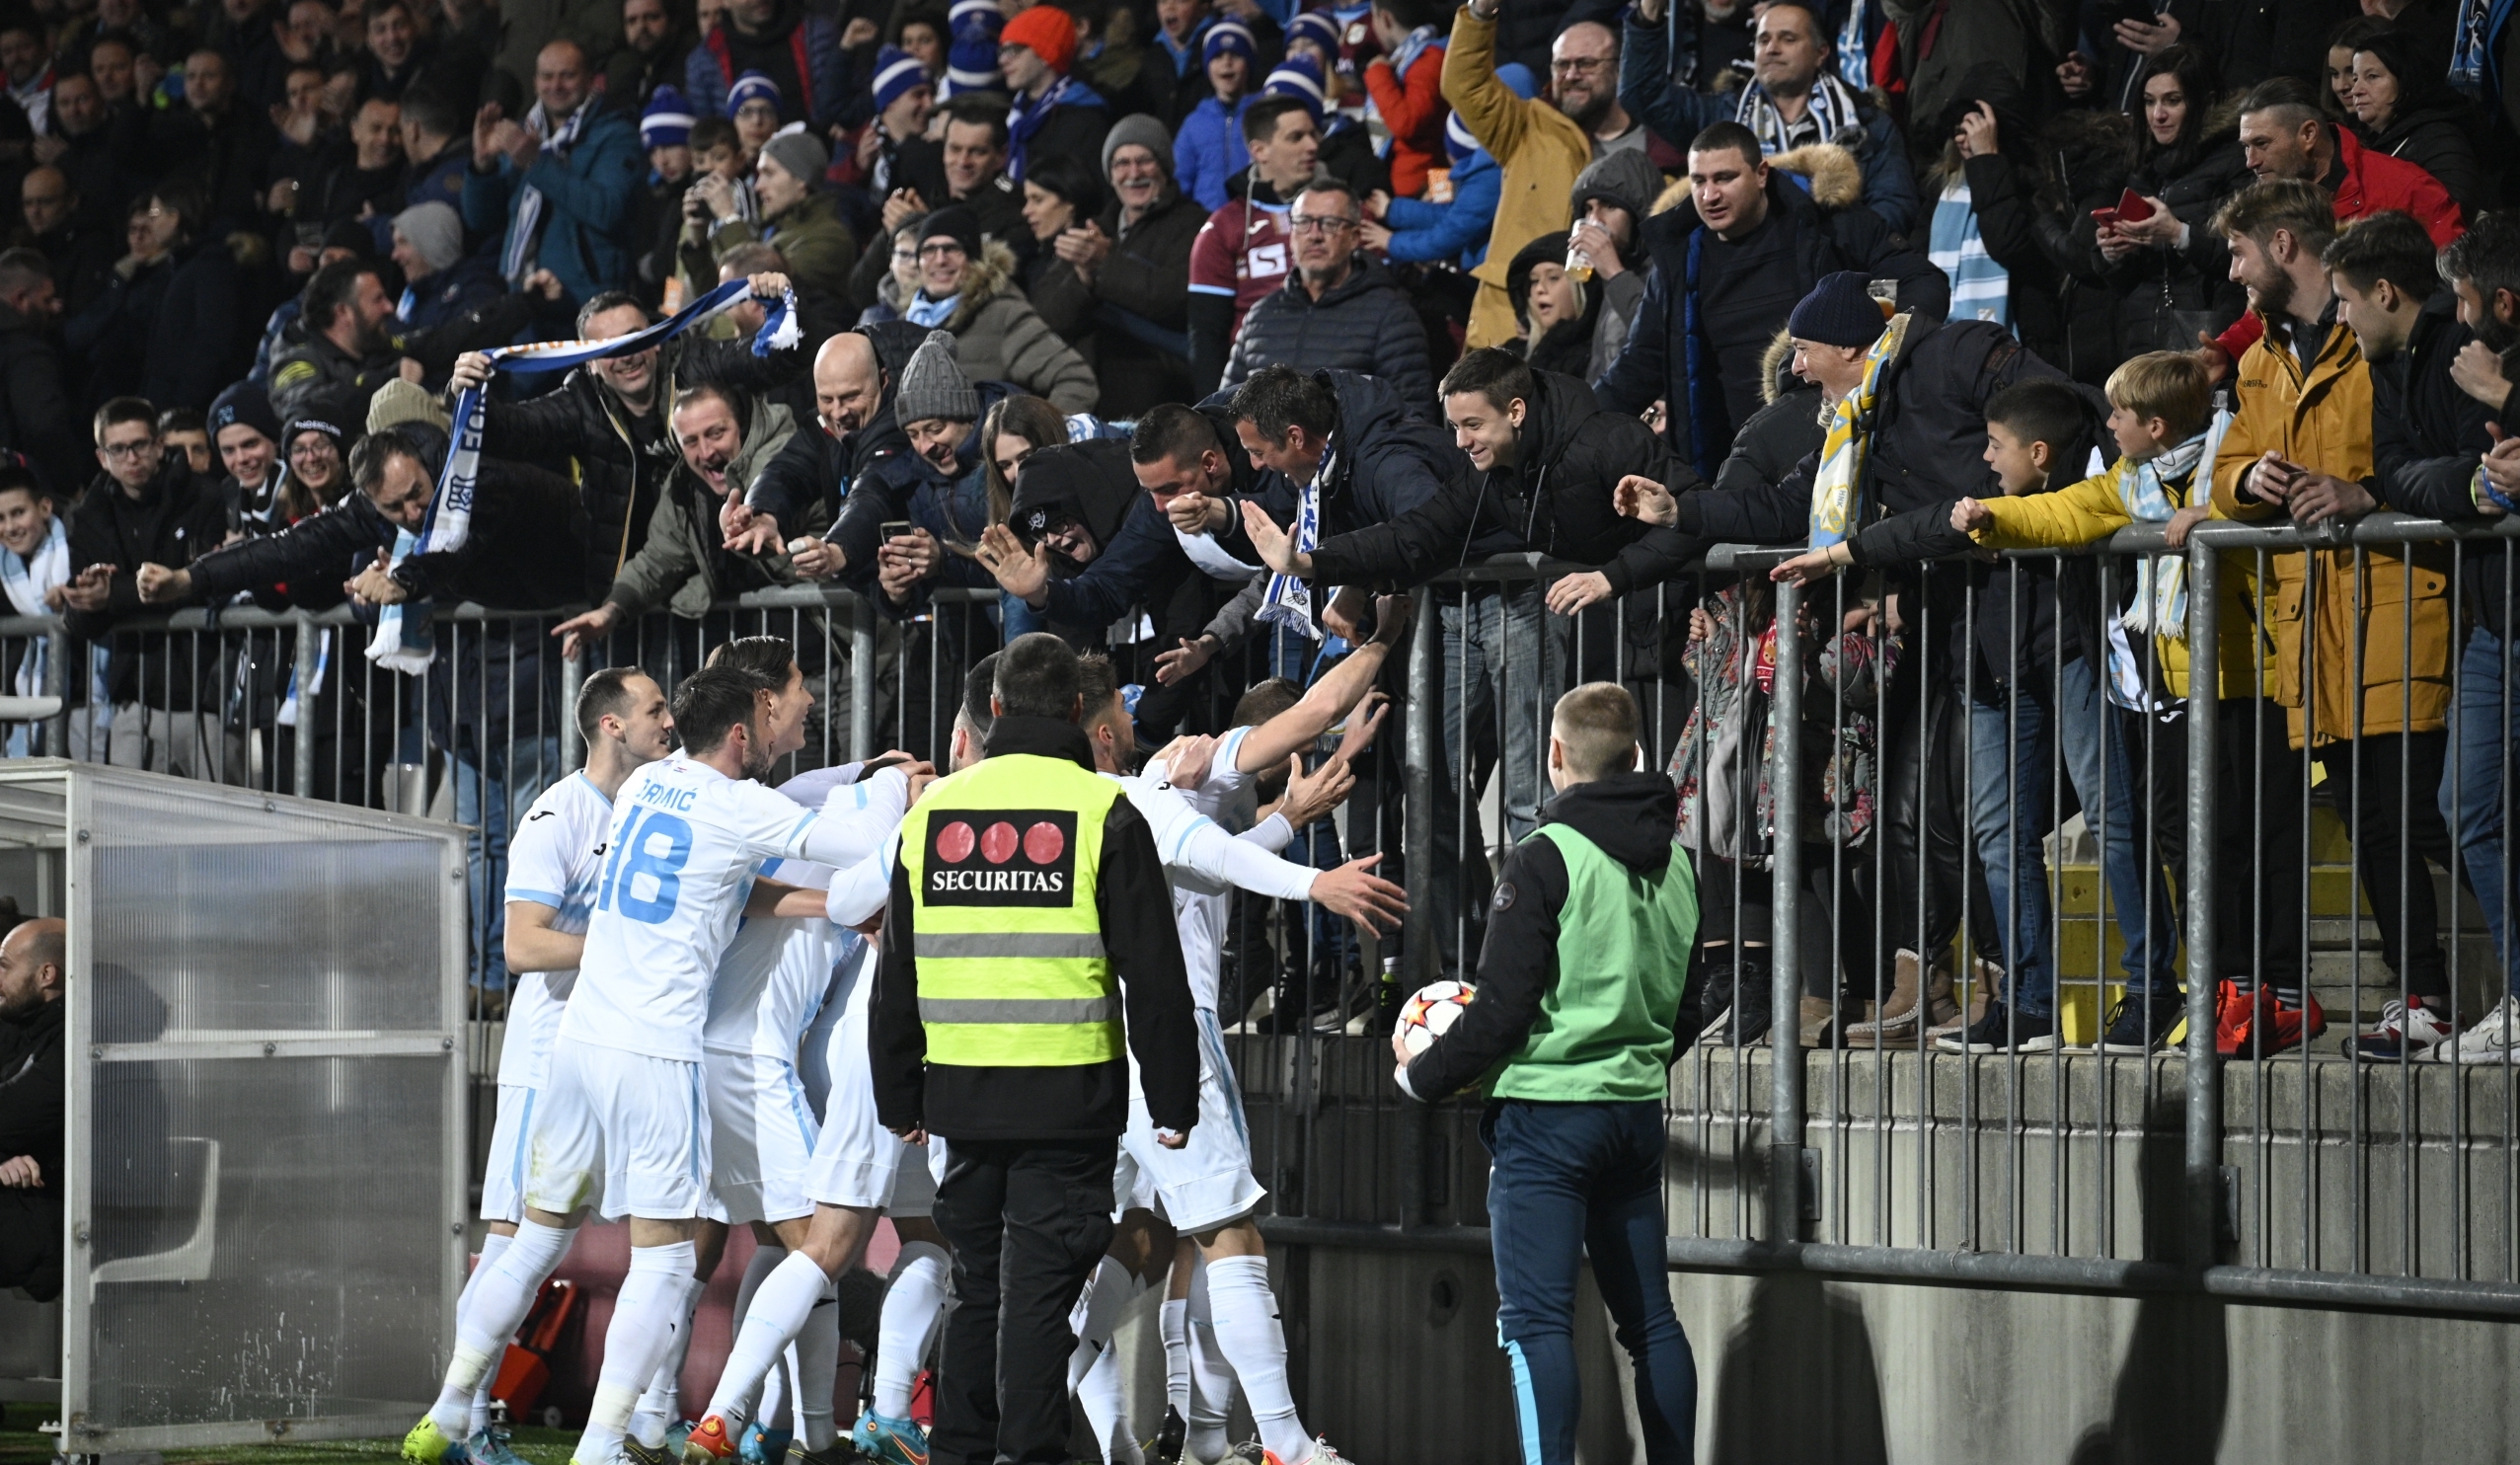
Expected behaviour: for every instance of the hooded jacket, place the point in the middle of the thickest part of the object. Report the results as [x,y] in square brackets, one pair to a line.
[1363,323]
[1628,816]
[684,564]
[1827,233]
[999,335]
[1554,501]
[1137,561]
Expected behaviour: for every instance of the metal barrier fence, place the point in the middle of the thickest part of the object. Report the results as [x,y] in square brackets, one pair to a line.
[1860,777]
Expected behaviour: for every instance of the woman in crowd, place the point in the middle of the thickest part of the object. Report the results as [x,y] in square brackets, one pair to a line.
[2170,281]
[1060,194]
[2338,72]
[2404,106]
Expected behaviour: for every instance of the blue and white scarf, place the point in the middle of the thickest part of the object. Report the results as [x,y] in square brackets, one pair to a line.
[2474,68]
[2160,605]
[516,261]
[1412,48]
[1030,114]
[1981,289]
[27,582]
[401,643]
[1833,110]
[1288,600]
[1854,47]
[932,314]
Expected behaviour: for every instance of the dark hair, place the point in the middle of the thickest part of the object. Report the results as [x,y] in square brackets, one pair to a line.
[604,300]
[1097,682]
[1259,120]
[1037,677]
[767,658]
[1411,14]
[1170,432]
[1732,137]
[1265,700]
[711,703]
[2292,99]
[2420,85]
[14,478]
[1280,397]
[2487,256]
[1331,186]
[919,15]
[708,391]
[2048,412]
[120,410]
[977,111]
[332,289]
[22,266]
[368,458]
[2195,72]
[1495,373]
[977,685]
[1071,179]
[2352,35]
[603,694]
[2388,245]
[711,132]
[182,420]
[433,111]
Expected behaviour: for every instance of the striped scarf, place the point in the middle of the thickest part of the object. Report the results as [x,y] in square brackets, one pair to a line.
[1837,490]
[1854,47]
[1833,108]
[1981,289]
[1287,600]
[516,259]
[2159,604]
[1030,114]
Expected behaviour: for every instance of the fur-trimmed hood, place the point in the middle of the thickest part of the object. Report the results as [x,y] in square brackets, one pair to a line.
[985,280]
[1831,175]
[1774,364]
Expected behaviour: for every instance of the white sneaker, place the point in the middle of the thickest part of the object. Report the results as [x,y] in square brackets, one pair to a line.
[2402,1032]
[2496,1040]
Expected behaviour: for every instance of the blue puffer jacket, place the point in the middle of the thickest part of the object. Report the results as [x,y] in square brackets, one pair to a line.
[585,205]
[813,49]
[1421,231]
[1208,150]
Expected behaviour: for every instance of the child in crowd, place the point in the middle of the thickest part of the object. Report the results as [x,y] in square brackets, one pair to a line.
[1208,149]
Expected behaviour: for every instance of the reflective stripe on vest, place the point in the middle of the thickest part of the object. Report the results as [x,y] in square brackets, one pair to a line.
[1002,860]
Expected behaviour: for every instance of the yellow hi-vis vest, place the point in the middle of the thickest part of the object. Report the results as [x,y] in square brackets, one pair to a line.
[1002,859]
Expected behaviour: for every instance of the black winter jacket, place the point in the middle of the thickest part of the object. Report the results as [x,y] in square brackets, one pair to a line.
[2164,297]
[817,469]
[2426,436]
[36,416]
[176,519]
[1389,462]
[1556,501]
[33,1117]
[1653,366]
[1363,323]
[1137,562]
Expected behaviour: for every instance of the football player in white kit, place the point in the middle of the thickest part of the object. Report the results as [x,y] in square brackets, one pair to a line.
[552,863]
[1206,1191]
[622,1123]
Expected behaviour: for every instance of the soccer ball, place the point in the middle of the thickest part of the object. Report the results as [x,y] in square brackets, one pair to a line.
[1429,1013]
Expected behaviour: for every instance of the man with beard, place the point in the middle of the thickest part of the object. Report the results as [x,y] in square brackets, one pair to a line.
[797,49]
[651,56]
[1541,145]
[684,565]
[346,352]
[32,975]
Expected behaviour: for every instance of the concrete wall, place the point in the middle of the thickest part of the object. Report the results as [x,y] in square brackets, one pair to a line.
[1398,1356]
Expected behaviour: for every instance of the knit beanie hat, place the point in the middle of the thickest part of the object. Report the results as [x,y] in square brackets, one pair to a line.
[953,222]
[399,402]
[752,86]
[666,119]
[932,385]
[435,230]
[1228,35]
[896,72]
[800,153]
[243,403]
[1318,26]
[1545,248]
[1839,311]
[1049,32]
[971,58]
[1297,77]
[1623,177]
[1146,132]
[325,426]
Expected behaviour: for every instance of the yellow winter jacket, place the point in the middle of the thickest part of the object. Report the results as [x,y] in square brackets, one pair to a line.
[2094,508]
[1540,149]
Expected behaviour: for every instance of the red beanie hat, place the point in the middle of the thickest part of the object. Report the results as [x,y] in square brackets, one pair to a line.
[1049,32]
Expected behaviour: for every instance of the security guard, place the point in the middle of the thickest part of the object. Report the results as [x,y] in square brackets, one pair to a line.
[1028,911]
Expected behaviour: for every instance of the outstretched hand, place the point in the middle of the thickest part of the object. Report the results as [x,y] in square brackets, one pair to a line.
[1275,549]
[1354,890]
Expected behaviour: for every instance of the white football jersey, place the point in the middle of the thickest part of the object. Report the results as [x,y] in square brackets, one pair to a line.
[1205,864]
[685,844]
[552,860]
[773,977]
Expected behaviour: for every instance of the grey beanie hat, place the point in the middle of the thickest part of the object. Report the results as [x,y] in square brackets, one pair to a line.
[435,230]
[1143,131]
[802,154]
[932,385]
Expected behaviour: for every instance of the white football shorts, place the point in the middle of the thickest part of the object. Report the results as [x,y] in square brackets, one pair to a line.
[624,1133]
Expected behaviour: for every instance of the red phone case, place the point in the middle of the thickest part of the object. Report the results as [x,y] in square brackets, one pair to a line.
[2132,207]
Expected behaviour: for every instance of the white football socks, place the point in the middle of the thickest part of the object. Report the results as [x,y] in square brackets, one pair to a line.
[661,1405]
[913,1306]
[772,1413]
[779,1310]
[494,1305]
[817,1362]
[647,1316]
[492,1245]
[1249,1334]
[1211,1381]
[1107,1410]
[1173,1320]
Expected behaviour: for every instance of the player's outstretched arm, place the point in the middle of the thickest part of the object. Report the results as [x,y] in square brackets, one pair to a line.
[1340,688]
[533,946]
[858,819]
[772,897]
[858,892]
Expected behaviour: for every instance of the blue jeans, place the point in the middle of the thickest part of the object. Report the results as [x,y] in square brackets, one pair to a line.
[1570,1181]
[2479,779]
[2011,746]
[2146,922]
[1497,655]
[493,791]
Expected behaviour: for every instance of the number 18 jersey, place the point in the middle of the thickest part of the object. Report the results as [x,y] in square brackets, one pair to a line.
[686,842]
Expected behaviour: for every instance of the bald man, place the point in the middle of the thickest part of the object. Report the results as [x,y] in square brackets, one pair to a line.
[854,374]
[31,1107]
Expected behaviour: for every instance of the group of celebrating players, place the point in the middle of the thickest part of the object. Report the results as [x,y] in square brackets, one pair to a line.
[688,1044]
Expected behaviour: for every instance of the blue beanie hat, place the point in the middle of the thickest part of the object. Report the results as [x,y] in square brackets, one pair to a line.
[1317,27]
[971,59]
[666,119]
[1228,35]
[896,71]
[1839,311]
[1297,77]
[752,86]
[243,403]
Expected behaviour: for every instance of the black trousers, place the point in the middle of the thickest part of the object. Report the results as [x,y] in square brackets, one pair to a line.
[2259,846]
[2394,838]
[1028,1220]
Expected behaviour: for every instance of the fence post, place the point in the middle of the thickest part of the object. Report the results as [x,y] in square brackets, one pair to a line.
[2202,1210]
[573,675]
[302,675]
[1417,830]
[1785,1070]
[862,669]
[56,683]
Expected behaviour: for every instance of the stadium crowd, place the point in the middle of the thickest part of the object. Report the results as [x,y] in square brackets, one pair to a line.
[1151,319]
